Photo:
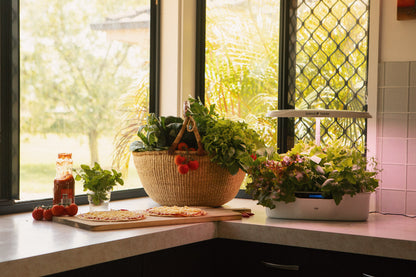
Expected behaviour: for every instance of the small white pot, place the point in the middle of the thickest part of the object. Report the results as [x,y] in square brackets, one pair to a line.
[349,209]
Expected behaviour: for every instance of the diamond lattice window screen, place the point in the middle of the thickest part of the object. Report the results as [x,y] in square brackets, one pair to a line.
[330,66]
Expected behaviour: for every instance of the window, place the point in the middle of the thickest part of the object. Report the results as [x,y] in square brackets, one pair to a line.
[331,66]
[265,55]
[241,61]
[79,78]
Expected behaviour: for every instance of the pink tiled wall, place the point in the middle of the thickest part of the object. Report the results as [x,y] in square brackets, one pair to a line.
[396,138]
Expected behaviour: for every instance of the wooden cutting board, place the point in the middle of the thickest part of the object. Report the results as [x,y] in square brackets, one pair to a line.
[213,214]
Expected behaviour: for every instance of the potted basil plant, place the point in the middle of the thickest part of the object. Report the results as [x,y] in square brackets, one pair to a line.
[314,182]
[98,183]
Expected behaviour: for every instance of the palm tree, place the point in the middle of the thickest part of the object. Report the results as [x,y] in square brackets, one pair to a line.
[132,108]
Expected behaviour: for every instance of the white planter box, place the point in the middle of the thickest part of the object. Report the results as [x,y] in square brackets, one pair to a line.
[349,209]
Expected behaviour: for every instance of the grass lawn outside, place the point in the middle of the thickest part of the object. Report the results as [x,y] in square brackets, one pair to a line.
[38,154]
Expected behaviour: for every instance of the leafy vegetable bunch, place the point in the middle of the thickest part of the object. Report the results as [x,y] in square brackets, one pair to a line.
[159,133]
[228,143]
[98,180]
[334,171]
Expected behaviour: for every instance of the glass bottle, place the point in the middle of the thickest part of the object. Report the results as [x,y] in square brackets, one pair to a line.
[64,183]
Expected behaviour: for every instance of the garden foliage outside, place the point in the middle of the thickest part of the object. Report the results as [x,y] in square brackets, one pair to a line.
[74,82]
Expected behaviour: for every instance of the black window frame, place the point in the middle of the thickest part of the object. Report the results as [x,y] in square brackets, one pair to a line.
[9,107]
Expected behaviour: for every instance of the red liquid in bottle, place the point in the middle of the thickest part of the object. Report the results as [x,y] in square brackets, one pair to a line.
[64,183]
[63,190]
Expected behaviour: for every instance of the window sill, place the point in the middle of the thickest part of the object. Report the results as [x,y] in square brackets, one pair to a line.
[10,206]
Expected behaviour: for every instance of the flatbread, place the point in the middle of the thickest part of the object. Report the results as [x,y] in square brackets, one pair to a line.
[113,216]
[184,211]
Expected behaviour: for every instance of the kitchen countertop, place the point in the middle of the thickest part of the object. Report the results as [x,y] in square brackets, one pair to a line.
[54,247]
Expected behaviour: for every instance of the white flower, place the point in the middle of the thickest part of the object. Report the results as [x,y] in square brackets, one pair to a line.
[328,181]
[320,170]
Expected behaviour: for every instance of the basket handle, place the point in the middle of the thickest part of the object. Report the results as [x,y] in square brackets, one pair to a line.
[189,125]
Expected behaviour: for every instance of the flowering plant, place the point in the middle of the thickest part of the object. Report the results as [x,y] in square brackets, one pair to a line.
[331,171]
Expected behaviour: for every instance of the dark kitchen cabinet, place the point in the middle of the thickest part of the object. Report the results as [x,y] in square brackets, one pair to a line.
[187,261]
[224,257]
[260,259]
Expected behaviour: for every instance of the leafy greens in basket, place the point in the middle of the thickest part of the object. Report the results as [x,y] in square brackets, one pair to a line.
[229,143]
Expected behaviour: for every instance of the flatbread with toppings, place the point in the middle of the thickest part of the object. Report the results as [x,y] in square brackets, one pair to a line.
[175,211]
[113,216]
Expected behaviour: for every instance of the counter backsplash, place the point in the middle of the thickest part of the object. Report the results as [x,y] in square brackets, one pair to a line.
[396,137]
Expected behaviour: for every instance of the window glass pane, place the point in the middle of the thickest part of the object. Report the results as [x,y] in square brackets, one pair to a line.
[241,61]
[331,67]
[84,79]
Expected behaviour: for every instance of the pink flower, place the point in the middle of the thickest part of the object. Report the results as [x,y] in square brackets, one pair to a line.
[286,160]
[299,175]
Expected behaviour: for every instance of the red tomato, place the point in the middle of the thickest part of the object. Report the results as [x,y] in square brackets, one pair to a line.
[183,146]
[72,209]
[183,168]
[193,165]
[58,210]
[47,214]
[179,159]
[37,213]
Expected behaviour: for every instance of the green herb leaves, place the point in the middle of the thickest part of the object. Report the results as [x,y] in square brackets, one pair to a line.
[228,143]
[98,180]
[334,171]
[159,134]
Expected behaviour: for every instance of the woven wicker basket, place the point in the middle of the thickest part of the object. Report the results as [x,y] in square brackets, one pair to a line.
[209,185]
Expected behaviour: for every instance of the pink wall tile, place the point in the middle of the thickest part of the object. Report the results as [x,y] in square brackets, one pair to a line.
[394,150]
[411,151]
[378,199]
[379,149]
[411,203]
[412,80]
[396,138]
[396,73]
[412,99]
[395,125]
[393,177]
[380,98]
[411,129]
[393,201]
[395,99]
[379,132]
[411,177]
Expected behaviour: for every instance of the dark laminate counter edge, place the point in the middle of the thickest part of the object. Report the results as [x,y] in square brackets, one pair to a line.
[108,251]
[356,244]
